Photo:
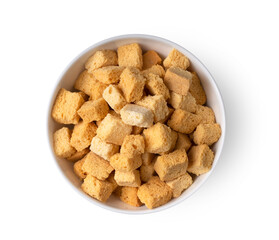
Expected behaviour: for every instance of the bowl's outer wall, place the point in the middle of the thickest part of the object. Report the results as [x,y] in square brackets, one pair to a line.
[163,47]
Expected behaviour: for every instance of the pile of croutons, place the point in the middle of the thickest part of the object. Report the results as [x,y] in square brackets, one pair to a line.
[141,130]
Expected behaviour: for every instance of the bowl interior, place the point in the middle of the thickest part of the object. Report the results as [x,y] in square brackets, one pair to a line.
[163,47]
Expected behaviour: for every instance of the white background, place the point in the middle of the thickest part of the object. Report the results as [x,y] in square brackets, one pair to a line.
[236,40]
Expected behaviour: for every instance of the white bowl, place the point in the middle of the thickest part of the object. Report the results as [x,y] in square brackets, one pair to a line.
[163,47]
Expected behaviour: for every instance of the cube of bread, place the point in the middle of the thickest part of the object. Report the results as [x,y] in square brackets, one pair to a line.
[172,165]
[66,105]
[178,80]
[179,184]
[155,69]
[102,148]
[176,59]
[61,143]
[207,133]
[133,145]
[200,159]
[147,158]
[112,181]
[114,98]
[173,142]
[183,122]
[183,142]
[132,84]
[206,113]
[108,75]
[129,179]
[101,58]
[78,155]
[113,130]
[156,86]
[97,90]
[82,135]
[158,138]
[136,115]
[150,58]
[130,56]
[197,90]
[124,163]
[94,110]
[96,166]
[129,195]
[154,193]
[187,103]
[101,190]
[146,172]
[157,104]
[85,82]
[78,169]
[166,118]
[137,130]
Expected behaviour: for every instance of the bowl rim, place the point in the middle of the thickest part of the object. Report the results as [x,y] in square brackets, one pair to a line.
[145,37]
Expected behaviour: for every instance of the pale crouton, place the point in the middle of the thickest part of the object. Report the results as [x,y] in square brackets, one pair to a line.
[61,143]
[129,179]
[114,98]
[136,115]
[130,56]
[66,105]
[172,165]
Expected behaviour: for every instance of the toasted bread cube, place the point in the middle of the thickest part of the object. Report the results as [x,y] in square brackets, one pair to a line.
[82,135]
[78,169]
[171,110]
[146,172]
[179,184]
[154,193]
[178,80]
[85,82]
[101,58]
[183,122]
[207,134]
[172,165]
[132,84]
[78,155]
[147,158]
[156,69]
[108,75]
[176,59]
[206,113]
[112,181]
[157,104]
[61,143]
[113,130]
[129,179]
[200,159]
[114,98]
[173,142]
[137,130]
[96,166]
[187,103]
[102,148]
[150,58]
[97,90]
[130,56]
[66,105]
[197,90]
[101,190]
[93,110]
[124,163]
[133,145]
[156,86]
[136,115]
[158,138]
[129,195]
[183,142]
